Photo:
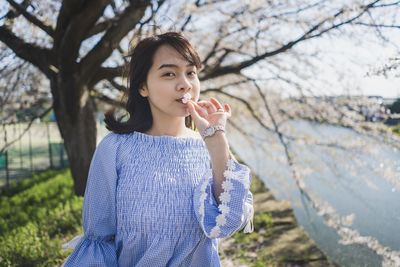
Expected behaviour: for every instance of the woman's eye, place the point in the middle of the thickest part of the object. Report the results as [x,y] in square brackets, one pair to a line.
[169,74]
[191,73]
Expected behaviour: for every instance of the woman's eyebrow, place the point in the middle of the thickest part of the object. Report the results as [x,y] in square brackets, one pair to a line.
[173,66]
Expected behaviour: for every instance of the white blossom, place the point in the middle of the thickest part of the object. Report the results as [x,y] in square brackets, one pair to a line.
[225,197]
[229,174]
[215,232]
[231,164]
[221,220]
[223,208]
[227,185]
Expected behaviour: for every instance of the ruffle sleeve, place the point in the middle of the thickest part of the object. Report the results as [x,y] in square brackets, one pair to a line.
[96,246]
[236,209]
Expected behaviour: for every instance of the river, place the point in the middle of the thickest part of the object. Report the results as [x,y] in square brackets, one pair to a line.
[347,191]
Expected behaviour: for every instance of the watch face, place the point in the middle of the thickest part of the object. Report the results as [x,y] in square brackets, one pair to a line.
[209,131]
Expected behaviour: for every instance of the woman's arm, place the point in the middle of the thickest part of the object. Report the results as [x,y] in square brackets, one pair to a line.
[223,202]
[96,246]
[218,149]
[211,113]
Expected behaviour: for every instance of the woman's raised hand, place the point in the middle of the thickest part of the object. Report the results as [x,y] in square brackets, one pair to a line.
[208,113]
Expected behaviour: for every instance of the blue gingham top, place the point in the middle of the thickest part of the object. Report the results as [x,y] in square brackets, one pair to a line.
[149,202]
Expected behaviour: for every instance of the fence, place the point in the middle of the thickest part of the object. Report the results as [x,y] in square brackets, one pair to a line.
[35,148]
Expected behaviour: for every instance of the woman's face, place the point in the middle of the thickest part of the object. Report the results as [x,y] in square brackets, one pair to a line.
[169,78]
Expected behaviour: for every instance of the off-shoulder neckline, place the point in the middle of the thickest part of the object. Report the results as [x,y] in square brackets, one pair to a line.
[191,139]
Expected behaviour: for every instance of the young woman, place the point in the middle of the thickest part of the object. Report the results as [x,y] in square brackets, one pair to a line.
[159,193]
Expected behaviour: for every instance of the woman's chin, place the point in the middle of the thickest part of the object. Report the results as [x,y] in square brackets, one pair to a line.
[185,112]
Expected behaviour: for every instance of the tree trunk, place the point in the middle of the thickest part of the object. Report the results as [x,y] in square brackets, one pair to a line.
[77,126]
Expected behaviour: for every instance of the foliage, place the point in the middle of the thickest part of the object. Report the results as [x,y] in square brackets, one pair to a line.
[29,246]
[257,185]
[25,184]
[35,222]
[395,107]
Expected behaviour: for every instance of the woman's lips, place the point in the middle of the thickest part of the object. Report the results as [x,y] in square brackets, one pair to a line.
[180,101]
[185,99]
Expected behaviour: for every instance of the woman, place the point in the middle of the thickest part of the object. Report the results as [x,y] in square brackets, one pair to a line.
[159,193]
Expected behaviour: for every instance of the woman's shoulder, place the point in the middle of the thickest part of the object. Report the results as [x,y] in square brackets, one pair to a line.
[109,142]
[109,138]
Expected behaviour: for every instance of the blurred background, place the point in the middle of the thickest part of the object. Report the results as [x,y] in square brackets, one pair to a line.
[315,91]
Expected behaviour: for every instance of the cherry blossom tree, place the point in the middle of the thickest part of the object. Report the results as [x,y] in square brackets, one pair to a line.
[79,49]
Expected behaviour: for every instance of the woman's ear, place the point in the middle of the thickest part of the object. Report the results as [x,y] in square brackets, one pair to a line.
[143,91]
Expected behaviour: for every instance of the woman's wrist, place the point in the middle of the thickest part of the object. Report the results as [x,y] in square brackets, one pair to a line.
[217,143]
[216,135]
[212,130]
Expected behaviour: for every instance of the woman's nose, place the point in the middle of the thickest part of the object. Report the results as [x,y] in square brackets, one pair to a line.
[184,83]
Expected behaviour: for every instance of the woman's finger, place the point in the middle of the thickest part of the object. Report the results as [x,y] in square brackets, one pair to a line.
[216,103]
[202,102]
[208,106]
[228,110]
[192,111]
[200,110]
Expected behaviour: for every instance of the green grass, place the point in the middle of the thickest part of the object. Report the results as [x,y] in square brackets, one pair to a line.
[37,216]
[263,221]
[24,184]
[396,129]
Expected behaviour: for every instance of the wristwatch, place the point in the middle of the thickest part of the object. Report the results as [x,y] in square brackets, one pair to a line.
[211,130]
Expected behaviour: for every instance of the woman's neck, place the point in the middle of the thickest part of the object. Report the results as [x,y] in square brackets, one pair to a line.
[170,128]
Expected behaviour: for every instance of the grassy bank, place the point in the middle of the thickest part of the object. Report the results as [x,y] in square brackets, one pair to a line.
[36,216]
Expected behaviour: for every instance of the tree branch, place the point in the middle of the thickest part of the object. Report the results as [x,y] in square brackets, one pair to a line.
[237,67]
[38,56]
[103,49]
[187,20]
[98,95]
[108,73]
[117,86]
[247,104]
[46,28]
[376,25]
[67,10]
[100,27]
[386,5]
[75,28]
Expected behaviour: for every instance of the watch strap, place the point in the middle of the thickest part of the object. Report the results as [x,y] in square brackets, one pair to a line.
[211,130]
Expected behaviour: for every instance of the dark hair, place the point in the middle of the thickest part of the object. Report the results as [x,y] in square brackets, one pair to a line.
[140,117]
